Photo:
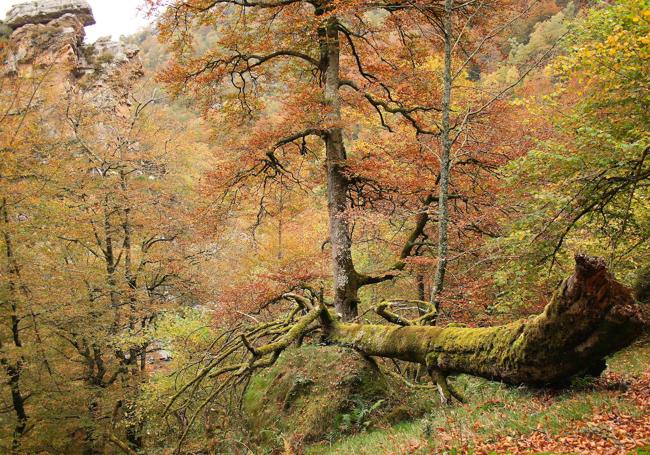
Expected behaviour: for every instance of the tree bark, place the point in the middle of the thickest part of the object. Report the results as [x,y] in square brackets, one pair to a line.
[445,161]
[344,275]
[589,317]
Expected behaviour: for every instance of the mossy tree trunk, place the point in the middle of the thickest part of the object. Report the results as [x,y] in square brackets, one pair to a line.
[590,316]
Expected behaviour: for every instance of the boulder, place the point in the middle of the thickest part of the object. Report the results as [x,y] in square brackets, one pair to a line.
[314,394]
[44,11]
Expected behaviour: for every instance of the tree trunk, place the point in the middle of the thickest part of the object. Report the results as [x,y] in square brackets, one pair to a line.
[111,264]
[590,316]
[13,368]
[445,161]
[345,276]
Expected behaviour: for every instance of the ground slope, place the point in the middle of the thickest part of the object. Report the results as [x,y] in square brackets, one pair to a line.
[610,415]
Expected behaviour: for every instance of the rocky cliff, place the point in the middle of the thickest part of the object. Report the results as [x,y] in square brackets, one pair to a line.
[44,11]
[47,34]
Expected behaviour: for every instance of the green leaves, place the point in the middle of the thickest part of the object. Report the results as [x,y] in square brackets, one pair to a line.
[585,187]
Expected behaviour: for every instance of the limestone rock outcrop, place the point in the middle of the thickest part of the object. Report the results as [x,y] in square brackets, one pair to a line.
[44,11]
[41,45]
[48,37]
[117,51]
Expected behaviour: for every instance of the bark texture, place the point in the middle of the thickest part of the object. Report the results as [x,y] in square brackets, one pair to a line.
[345,277]
[445,159]
[590,316]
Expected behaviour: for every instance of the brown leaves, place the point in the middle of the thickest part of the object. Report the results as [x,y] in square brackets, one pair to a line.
[607,433]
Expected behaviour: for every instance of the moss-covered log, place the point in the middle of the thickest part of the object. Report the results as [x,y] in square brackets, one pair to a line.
[590,316]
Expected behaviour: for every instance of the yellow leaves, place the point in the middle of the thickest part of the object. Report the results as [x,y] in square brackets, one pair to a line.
[434,64]
[518,102]
[512,75]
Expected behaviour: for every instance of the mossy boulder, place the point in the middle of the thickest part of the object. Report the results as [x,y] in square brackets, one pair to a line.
[317,394]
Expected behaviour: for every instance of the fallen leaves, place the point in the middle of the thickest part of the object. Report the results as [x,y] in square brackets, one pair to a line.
[605,433]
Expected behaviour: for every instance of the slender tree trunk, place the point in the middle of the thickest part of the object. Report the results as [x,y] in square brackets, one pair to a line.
[109,259]
[590,317]
[13,368]
[280,223]
[345,276]
[445,161]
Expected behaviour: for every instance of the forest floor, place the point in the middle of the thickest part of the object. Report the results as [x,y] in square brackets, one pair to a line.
[609,415]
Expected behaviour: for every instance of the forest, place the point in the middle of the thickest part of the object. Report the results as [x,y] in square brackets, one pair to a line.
[326,227]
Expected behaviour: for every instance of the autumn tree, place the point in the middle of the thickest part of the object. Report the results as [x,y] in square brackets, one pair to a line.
[94,239]
[339,64]
[306,82]
[24,144]
[590,163]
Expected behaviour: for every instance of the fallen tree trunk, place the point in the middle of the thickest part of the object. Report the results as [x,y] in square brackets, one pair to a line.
[590,316]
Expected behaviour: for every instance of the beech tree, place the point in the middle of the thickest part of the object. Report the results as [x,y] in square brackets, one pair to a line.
[338,62]
[316,66]
[94,246]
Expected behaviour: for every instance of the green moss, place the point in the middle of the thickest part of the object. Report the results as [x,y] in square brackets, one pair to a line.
[5,31]
[399,414]
[299,387]
[549,348]
[642,286]
[318,394]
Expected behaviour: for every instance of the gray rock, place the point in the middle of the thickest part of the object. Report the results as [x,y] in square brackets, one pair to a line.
[116,51]
[44,11]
